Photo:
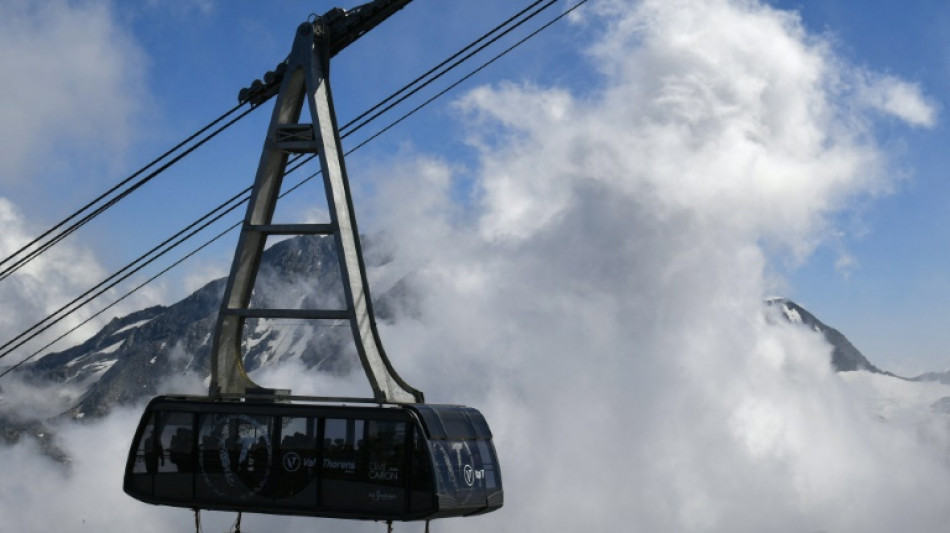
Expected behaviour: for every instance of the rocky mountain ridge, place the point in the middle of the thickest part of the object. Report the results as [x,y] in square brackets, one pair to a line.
[845,357]
[126,361]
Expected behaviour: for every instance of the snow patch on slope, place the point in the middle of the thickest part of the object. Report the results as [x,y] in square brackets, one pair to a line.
[894,399]
[105,351]
[133,326]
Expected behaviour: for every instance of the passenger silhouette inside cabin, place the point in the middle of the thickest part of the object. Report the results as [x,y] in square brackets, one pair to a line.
[180,450]
[153,455]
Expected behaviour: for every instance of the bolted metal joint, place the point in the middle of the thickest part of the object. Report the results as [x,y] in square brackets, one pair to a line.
[261,91]
[309,26]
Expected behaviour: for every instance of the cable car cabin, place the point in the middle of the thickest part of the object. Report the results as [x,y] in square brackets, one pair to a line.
[392,462]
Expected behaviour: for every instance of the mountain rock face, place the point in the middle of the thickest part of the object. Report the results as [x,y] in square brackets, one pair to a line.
[844,356]
[126,361]
[940,377]
[129,359]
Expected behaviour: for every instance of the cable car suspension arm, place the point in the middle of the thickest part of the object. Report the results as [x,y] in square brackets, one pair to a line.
[304,81]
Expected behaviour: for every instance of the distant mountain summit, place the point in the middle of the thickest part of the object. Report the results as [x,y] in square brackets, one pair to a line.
[941,377]
[126,360]
[133,355]
[844,356]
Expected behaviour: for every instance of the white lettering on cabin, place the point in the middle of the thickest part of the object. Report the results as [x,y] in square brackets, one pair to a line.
[383,472]
[291,462]
[470,474]
[338,464]
[380,496]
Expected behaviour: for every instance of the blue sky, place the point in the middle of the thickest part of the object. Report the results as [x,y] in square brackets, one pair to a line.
[156,71]
[182,63]
[591,226]
[891,301]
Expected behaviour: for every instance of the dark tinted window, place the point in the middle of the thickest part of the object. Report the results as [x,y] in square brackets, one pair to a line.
[235,455]
[295,471]
[146,455]
[342,448]
[164,458]
[457,424]
[166,444]
[421,496]
[177,439]
[386,452]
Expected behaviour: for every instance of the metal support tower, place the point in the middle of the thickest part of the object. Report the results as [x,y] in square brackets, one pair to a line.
[305,81]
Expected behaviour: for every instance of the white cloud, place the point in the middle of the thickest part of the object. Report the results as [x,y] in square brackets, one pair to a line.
[899,98]
[40,494]
[845,263]
[184,8]
[728,109]
[72,89]
[45,284]
[27,402]
[604,309]
[73,78]
[203,273]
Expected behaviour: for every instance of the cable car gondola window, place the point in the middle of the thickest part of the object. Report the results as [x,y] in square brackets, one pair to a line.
[421,495]
[382,463]
[294,481]
[176,442]
[343,462]
[145,465]
[235,457]
[487,457]
[386,463]
[146,459]
[165,456]
[386,457]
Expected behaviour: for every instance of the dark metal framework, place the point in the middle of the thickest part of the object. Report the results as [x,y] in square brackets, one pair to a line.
[399,462]
[303,80]
[249,449]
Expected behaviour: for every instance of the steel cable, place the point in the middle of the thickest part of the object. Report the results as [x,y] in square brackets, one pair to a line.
[243,196]
[6,272]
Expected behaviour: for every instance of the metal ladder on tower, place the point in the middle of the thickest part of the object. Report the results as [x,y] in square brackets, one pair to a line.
[303,81]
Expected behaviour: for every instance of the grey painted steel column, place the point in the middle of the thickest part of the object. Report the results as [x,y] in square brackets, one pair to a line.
[386,383]
[307,77]
[228,376]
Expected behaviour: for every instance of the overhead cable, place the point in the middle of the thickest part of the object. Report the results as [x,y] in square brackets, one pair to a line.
[243,196]
[410,89]
[31,252]
[237,200]
[469,75]
[117,301]
[392,100]
[123,274]
[468,47]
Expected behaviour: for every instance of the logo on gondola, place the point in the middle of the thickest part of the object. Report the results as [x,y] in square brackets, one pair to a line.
[234,463]
[380,496]
[291,462]
[383,472]
[470,474]
[340,464]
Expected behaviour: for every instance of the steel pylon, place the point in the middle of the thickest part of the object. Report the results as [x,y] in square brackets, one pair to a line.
[305,83]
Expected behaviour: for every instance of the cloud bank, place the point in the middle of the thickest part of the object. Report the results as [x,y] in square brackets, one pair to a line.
[605,307]
[72,90]
[601,298]
[71,69]
[43,285]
